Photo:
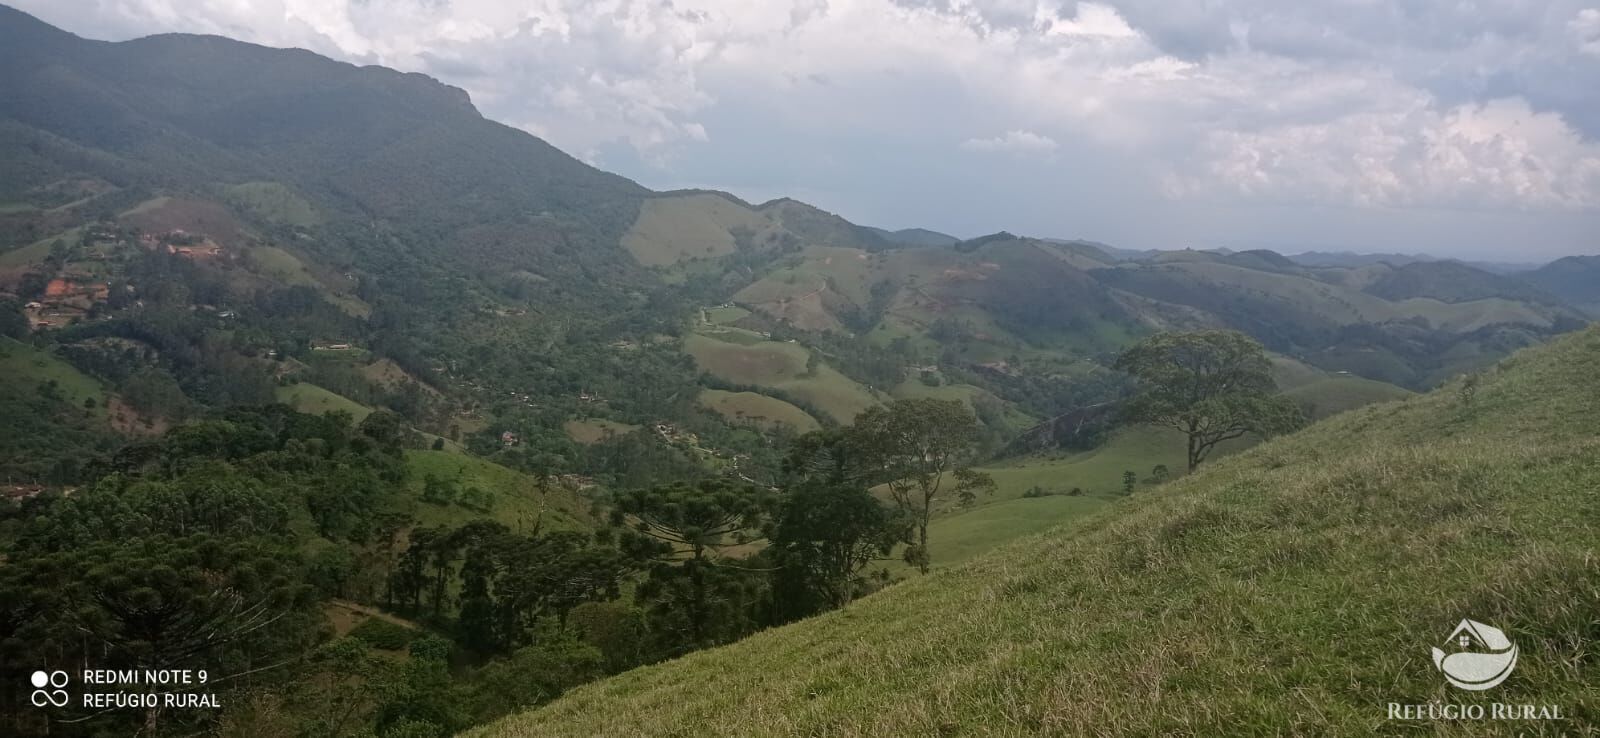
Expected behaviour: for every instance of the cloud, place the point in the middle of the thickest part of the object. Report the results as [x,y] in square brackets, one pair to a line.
[1586,27]
[1500,154]
[1182,104]
[1013,141]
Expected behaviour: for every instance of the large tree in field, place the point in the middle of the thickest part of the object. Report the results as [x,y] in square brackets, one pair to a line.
[912,447]
[824,537]
[1212,386]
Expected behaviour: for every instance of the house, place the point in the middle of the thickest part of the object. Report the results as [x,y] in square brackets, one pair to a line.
[509,439]
[21,491]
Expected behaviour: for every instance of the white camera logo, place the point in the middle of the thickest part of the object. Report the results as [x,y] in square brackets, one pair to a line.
[55,696]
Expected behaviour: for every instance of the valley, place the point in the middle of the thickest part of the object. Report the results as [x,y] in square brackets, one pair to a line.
[414,425]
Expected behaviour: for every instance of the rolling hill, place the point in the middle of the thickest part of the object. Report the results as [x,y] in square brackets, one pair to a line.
[438,235]
[1575,279]
[1294,588]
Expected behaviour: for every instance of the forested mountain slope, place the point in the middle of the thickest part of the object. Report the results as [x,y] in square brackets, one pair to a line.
[1294,588]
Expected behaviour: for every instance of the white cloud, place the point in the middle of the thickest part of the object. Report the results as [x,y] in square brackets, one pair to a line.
[1586,27]
[1342,103]
[1496,154]
[1092,20]
[1014,141]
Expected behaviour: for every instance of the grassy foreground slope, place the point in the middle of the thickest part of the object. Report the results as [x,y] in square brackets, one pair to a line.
[1295,588]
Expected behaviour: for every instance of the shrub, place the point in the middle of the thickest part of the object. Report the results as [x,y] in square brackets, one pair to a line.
[380,633]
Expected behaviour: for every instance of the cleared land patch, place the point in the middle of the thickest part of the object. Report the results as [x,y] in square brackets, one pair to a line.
[781,366]
[673,229]
[514,499]
[758,410]
[313,400]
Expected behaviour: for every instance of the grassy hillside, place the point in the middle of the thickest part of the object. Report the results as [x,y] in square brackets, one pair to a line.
[1338,394]
[1575,279]
[1295,588]
[676,228]
[758,410]
[25,366]
[515,498]
[784,367]
[309,398]
[1098,471]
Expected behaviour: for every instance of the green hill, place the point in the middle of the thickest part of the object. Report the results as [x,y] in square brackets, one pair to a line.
[509,497]
[1575,279]
[1338,394]
[1295,588]
[1451,281]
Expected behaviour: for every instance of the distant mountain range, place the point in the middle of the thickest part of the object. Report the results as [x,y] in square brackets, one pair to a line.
[457,248]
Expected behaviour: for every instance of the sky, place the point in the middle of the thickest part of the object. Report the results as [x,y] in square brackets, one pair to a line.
[1463,128]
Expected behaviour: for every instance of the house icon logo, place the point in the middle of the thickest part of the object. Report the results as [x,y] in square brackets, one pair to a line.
[1484,659]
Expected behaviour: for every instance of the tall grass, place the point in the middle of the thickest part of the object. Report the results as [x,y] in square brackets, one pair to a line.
[1293,589]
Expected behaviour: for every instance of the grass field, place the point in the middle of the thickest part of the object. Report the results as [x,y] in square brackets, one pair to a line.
[314,400]
[273,202]
[1098,471]
[781,366]
[673,229]
[35,253]
[286,268]
[21,363]
[757,409]
[517,502]
[1015,420]
[956,537]
[1292,589]
[1334,395]
[725,315]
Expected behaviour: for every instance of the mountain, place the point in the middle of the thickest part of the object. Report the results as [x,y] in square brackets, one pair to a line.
[1350,259]
[202,222]
[324,332]
[366,146]
[1575,279]
[916,237]
[1181,611]
[1452,281]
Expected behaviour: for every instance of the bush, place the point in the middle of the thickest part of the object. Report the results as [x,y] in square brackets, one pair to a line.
[380,633]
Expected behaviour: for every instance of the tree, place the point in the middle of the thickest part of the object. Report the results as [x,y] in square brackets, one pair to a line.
[13,323]
[824,537]
[1129,479]
[970,483]
[909,446]
[696,519]
[1159,473]
[691,523]
[1213,386]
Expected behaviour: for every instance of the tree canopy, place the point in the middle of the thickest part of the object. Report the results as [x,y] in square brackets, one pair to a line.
[1213,386]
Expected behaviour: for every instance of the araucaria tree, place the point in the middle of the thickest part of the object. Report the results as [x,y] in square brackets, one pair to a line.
[1213,386]
[682,528]
[910,446]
